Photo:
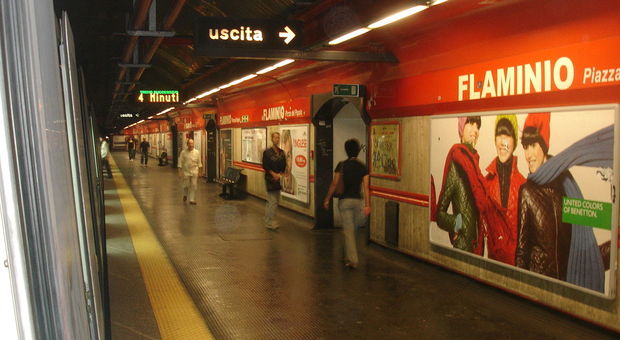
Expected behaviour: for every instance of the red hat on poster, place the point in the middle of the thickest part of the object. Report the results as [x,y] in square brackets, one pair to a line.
[539,121]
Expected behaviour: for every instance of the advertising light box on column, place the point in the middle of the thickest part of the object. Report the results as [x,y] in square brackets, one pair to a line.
[225,150]
[533,190]
[294,141]
[253,143]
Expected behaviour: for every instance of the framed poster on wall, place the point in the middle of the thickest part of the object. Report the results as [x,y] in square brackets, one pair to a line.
[532,190]
[225,151]
[385,147]
[253,143]
[294,141]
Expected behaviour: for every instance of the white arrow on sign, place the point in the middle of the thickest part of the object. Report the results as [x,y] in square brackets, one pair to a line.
[288,34]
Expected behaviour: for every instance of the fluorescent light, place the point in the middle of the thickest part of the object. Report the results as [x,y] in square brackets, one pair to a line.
[241,80]
[348,36]
[266,69]
[397,16]
[437,2]
[284,62]
[190,100]
[275,66]
[204,94]
[164,111]
[224,86]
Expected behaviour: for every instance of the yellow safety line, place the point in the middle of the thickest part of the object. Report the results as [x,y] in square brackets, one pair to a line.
[176,314]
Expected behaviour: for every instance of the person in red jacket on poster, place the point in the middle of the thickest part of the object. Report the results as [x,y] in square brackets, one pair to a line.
[503,181]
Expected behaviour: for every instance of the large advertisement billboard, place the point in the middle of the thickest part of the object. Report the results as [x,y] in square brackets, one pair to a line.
[295,142]
[531,189]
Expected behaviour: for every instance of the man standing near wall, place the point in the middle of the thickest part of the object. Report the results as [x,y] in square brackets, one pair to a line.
[274,163]
[144,150]
[189,166]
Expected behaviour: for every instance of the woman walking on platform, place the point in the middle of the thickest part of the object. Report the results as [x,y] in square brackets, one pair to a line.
[353,207]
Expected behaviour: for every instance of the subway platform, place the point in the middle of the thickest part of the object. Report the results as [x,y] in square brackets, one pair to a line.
[212,271]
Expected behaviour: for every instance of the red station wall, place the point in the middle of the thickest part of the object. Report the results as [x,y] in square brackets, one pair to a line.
[434,49]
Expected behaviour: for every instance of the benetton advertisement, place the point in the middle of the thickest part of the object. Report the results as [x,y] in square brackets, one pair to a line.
[294,141]
[531,189]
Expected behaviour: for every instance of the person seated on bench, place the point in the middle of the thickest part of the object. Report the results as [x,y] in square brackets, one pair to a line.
[163,158]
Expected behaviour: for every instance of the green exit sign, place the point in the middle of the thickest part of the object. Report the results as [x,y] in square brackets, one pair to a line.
[347,90]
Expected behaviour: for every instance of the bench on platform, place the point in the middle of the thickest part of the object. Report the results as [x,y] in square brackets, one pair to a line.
[232,183]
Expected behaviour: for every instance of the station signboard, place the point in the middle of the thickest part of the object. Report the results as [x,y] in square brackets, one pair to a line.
[231,33]
[129,115]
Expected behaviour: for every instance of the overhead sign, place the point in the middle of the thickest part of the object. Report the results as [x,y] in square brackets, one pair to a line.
[347,90]
[218,33]
[128,115]
[158,96]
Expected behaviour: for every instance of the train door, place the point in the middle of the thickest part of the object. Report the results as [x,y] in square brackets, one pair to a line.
[77,133]
[44,179]
[335,119]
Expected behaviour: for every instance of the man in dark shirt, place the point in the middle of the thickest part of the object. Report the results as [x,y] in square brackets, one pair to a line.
[131,148]
[144,149]
[274,164]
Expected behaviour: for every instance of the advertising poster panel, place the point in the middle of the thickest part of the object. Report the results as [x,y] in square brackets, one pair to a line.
[225,152]
[198,141]
[294,141]
[385,149]
[253,143]
[532,189]
[168,144]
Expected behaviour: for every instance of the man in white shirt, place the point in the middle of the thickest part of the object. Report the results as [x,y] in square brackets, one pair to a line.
[105,150]
[189,165]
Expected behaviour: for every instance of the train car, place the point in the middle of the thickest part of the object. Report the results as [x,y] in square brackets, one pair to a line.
[52,242]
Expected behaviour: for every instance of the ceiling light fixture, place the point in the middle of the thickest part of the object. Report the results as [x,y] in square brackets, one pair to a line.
[204,94]
[266,69]
[166,110]
[241,80]
[437,2]
[284,62]
[349,35]
[398,16]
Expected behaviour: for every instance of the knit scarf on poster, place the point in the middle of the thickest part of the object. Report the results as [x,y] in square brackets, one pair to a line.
[489,211]
[585,264]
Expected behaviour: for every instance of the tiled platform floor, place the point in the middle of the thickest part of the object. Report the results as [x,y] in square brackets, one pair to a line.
[250,283]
